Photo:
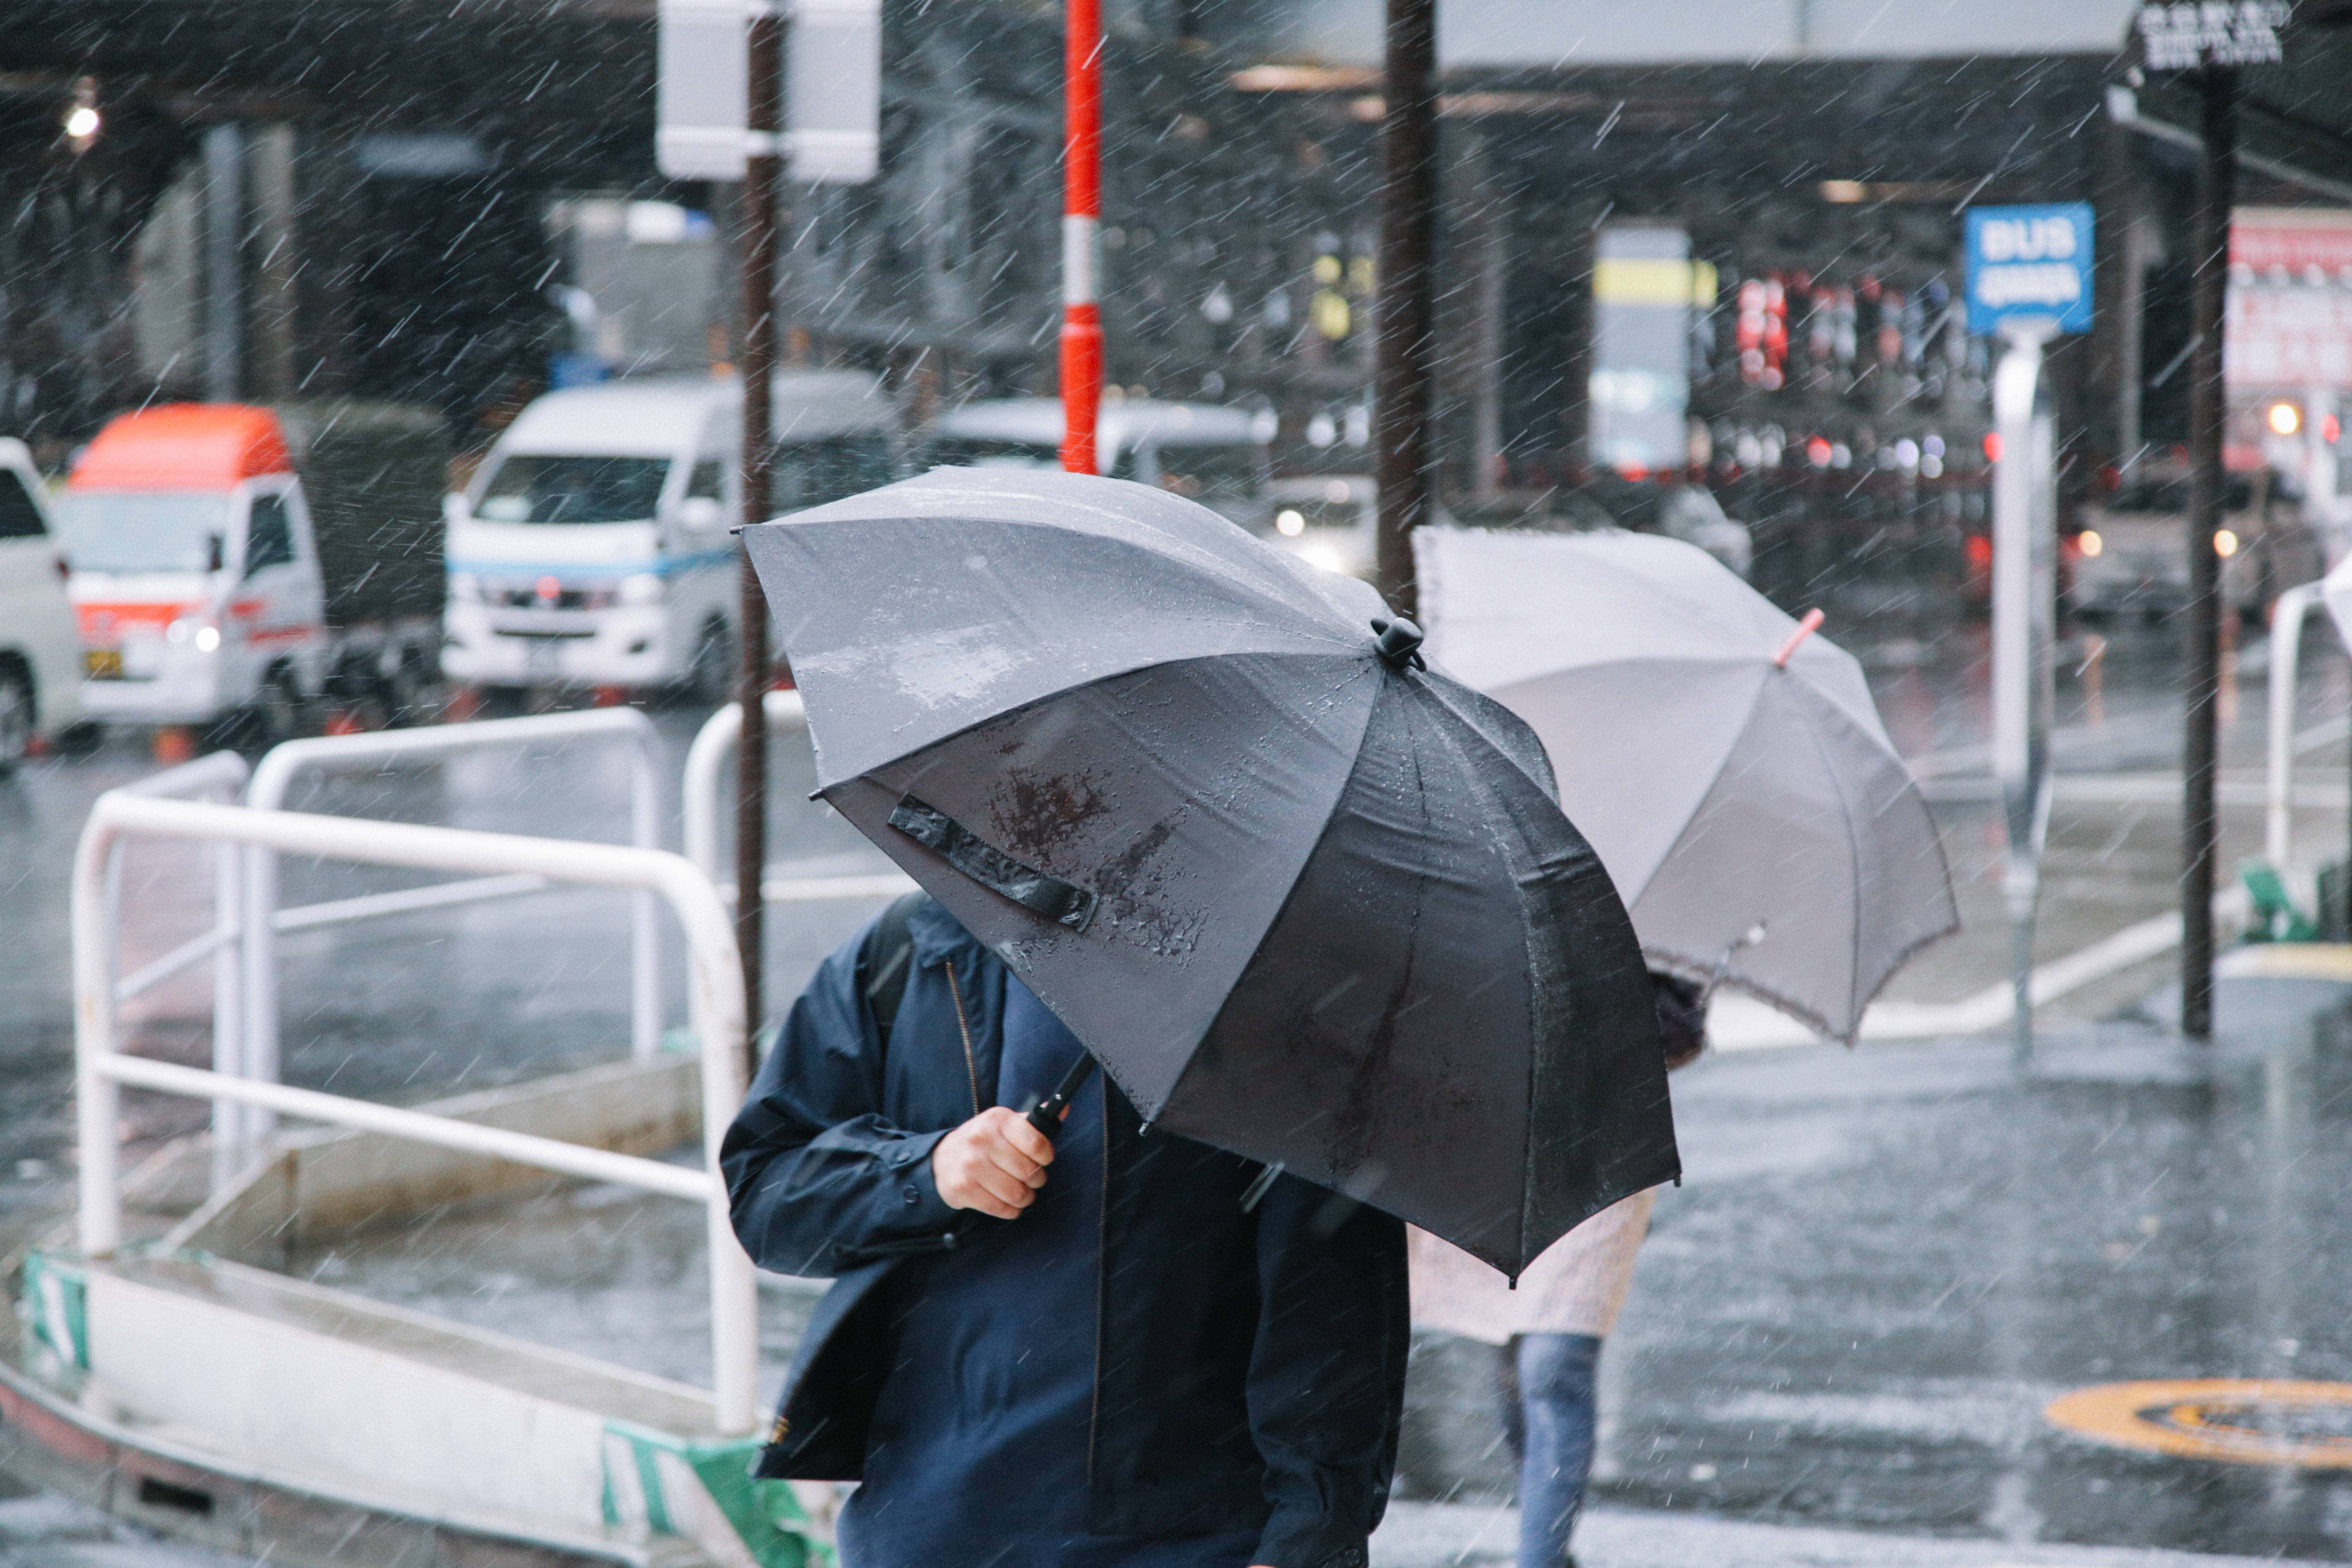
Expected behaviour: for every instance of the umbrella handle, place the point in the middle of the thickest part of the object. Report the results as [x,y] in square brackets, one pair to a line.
[1046,1115]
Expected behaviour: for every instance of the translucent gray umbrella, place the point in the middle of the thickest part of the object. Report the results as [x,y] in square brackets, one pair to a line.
[1741,791]
[1301,898]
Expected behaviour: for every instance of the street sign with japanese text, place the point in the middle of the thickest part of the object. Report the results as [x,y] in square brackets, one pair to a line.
[2188,34]
[2030,262]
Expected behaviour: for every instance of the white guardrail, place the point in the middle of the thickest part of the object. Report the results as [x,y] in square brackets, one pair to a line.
[715,1000]
[262,920]
[219,777]
[705,766]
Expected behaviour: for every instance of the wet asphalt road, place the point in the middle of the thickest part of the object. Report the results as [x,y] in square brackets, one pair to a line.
[1882,1267]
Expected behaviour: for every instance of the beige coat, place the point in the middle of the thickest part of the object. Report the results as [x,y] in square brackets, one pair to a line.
[1577,1287]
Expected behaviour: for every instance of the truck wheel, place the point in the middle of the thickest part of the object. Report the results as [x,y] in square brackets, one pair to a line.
[712,679]
[15,719]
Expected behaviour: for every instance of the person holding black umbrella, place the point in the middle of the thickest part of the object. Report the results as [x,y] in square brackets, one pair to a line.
[1292,925]
[1114,1346]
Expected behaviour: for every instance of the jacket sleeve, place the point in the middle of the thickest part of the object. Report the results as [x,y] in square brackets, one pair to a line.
[1327,1374]
[817,1179]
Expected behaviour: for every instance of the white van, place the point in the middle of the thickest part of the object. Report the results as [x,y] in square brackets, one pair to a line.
[40,654]
[1214,454]
[593,548]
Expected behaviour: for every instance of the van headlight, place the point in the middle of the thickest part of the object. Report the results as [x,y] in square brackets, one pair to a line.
[197,631]
[641,588]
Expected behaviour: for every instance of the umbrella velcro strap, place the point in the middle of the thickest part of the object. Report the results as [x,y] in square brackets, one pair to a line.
[1064,903]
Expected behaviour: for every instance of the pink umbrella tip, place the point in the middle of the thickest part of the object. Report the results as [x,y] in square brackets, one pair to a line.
[1805,628]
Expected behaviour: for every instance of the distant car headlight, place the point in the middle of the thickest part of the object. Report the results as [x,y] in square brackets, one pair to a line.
[2225,543]
[643,588]
[2090,541]
[207,640]
[1290,523]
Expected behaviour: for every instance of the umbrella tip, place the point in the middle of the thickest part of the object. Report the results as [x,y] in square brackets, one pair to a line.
[1805,628]
[1400,643]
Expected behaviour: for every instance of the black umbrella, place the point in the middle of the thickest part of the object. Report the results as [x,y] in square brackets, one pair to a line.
[1303,899]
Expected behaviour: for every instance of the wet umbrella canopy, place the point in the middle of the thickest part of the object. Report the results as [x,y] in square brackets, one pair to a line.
[1741,790]
[1303,899]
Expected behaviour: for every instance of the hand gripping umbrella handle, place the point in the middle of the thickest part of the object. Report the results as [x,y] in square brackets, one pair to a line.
[1046,1115]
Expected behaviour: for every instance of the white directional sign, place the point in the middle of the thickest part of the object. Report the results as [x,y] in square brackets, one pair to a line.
[833,89]
[2188,33]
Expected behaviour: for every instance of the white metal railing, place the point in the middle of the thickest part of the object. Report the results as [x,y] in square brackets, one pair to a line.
[263,919]
[2286,646]
[219,776]
[714,1001]
[705,766]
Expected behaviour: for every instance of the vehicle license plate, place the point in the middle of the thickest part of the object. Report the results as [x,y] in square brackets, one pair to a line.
[102,663]
[542,656]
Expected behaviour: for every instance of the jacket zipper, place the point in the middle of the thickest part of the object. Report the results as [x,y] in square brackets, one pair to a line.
[970,1066]
[1102,1264]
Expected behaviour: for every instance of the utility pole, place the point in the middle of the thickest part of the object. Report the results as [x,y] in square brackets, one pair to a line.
[1404,347]
[1082,337]
[224,240]
[2209,247]
[762,175]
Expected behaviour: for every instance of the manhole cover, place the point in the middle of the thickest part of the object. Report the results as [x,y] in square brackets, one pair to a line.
[2239,1421]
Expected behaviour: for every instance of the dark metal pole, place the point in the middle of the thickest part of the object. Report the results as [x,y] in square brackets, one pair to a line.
[1404,349]
[2209,245]
[762,175]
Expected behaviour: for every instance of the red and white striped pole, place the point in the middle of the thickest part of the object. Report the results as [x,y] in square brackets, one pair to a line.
[1082,337]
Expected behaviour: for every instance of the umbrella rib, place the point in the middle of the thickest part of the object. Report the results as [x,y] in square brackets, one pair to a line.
[1854,855]
[1504,851]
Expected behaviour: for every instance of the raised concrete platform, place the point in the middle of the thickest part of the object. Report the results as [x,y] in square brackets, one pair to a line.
[199,1395]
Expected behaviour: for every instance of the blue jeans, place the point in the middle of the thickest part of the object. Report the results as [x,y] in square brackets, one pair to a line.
[1549,1412]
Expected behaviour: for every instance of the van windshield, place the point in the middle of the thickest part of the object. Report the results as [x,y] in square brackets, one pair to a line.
[142,530]
[530,487]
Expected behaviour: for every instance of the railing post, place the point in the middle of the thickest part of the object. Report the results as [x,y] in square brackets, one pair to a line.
[97,1100]
[715,1004]
[705,764]
[229,1119]
[259,901]
[2286,646]
[644,929]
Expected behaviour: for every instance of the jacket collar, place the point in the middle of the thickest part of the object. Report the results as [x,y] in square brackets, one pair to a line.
[939,935]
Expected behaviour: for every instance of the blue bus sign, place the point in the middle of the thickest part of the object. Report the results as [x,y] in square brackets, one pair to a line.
[2030,262]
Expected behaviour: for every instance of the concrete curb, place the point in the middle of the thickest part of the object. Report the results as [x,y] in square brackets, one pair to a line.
[1444,1535]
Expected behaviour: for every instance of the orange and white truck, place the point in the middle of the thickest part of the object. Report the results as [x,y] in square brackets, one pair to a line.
[213,586]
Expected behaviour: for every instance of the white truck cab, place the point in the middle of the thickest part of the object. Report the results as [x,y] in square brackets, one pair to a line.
[195,578]
[1214,455]
[594,546]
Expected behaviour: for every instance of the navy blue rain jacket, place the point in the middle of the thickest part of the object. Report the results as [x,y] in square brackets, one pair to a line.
[1252,1369]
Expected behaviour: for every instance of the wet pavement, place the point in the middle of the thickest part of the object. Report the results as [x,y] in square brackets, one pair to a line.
[1882,1266]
